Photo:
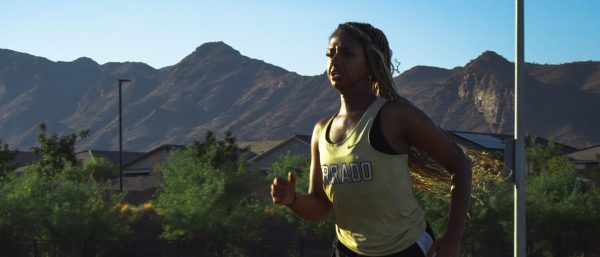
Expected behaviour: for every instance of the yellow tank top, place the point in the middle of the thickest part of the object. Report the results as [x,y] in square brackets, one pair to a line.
[374,207]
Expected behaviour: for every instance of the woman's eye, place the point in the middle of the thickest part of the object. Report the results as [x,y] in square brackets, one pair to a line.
[328,54]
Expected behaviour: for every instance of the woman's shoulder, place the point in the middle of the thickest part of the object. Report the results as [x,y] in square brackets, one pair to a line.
[323,122]
[401,111]
[318,128]
[401,108]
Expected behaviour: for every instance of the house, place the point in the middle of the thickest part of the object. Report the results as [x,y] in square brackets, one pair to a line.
[112,156]
[494,143]
[587,163]
[23,159]
[140,177]
[265,153]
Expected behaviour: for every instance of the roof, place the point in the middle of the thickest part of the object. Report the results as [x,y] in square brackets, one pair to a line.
[259,147]
[167,147]
[492,141]
[112,156]
[587,154]
[488,141]
[301,138]
[24,158]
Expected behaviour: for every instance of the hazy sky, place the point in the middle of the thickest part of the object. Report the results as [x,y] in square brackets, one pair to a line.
[294,34]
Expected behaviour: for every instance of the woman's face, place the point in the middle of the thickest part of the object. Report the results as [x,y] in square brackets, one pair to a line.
[347,64]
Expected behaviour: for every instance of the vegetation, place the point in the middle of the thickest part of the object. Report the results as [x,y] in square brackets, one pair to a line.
[208,194]
[562,215]
[562,211]
[300,165]
[60,200]
[204,195]
[6,157]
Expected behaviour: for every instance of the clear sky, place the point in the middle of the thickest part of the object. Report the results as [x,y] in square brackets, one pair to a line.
[294,34]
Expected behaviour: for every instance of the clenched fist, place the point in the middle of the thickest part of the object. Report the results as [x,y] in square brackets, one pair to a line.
[283,191]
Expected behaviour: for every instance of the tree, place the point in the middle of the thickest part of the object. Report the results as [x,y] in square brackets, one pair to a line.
[489,218]
[204,195]
[301,166]
[6,157]
[538,155]
[562,214]
[61,200]
[56,152]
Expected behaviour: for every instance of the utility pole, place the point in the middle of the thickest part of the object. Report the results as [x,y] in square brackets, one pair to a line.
[519,186]
[121,82]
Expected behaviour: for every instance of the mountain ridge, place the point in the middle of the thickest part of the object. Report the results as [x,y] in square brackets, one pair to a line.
[217,88]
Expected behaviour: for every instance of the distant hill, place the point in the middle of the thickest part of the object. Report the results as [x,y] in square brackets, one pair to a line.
[217,88]
[561,101]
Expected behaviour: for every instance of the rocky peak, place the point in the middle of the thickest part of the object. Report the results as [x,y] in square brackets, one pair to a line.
[214,49]
[420,73]
[207,56]
[489,61]
[85,61]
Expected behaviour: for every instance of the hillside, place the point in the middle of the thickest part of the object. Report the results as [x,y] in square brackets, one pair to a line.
[218,88]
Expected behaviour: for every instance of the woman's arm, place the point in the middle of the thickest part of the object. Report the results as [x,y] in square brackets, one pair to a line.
[314,205]
[418,130]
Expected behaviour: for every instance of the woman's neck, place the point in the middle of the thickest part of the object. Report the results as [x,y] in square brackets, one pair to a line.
[356,103]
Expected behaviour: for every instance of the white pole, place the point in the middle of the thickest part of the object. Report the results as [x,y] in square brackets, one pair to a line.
[519,187]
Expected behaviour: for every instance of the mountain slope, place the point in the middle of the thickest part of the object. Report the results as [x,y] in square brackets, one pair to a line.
[217,88]
[560,100]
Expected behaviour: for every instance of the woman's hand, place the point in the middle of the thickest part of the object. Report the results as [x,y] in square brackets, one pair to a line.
[444,247]
[283,192]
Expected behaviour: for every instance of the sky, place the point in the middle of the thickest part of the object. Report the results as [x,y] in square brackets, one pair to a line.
[294,35]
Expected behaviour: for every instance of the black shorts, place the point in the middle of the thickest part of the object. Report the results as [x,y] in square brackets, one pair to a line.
[340,250]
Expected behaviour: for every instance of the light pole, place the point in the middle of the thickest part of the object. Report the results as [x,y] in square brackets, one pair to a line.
[519,136]
[121,82]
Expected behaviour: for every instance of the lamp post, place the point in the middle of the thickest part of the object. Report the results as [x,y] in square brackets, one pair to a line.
[121,82]
[519,136]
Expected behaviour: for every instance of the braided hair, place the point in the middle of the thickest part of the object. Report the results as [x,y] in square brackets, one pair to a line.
[424,170]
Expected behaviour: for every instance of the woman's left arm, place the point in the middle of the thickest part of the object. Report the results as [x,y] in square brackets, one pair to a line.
[420,131]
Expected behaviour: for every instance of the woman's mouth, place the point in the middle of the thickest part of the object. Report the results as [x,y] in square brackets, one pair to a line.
[335,75]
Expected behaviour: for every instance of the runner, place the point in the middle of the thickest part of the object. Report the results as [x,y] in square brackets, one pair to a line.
[362,157]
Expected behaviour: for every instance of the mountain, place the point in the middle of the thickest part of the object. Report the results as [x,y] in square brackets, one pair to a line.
[561,101]
[217,88]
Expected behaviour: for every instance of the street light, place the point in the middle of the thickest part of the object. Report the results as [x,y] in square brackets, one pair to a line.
[121,82]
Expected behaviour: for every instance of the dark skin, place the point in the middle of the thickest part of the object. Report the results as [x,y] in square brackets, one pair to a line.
[403,125]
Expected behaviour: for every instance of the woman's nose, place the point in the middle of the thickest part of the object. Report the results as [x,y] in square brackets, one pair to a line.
[334,60]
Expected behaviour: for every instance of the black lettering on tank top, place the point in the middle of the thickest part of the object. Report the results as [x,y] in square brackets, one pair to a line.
[367,171]
[333,170]
[346,173]
[325,174]
[355,171]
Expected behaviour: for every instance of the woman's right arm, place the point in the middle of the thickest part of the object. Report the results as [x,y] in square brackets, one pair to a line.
[315,205]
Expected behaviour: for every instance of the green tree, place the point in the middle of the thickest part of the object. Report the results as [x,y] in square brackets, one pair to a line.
[537,155]
[61,200]
[6,157]
[204,194]
[562,214]
[56,152]
[488,225]
[562,211]
[301,166]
